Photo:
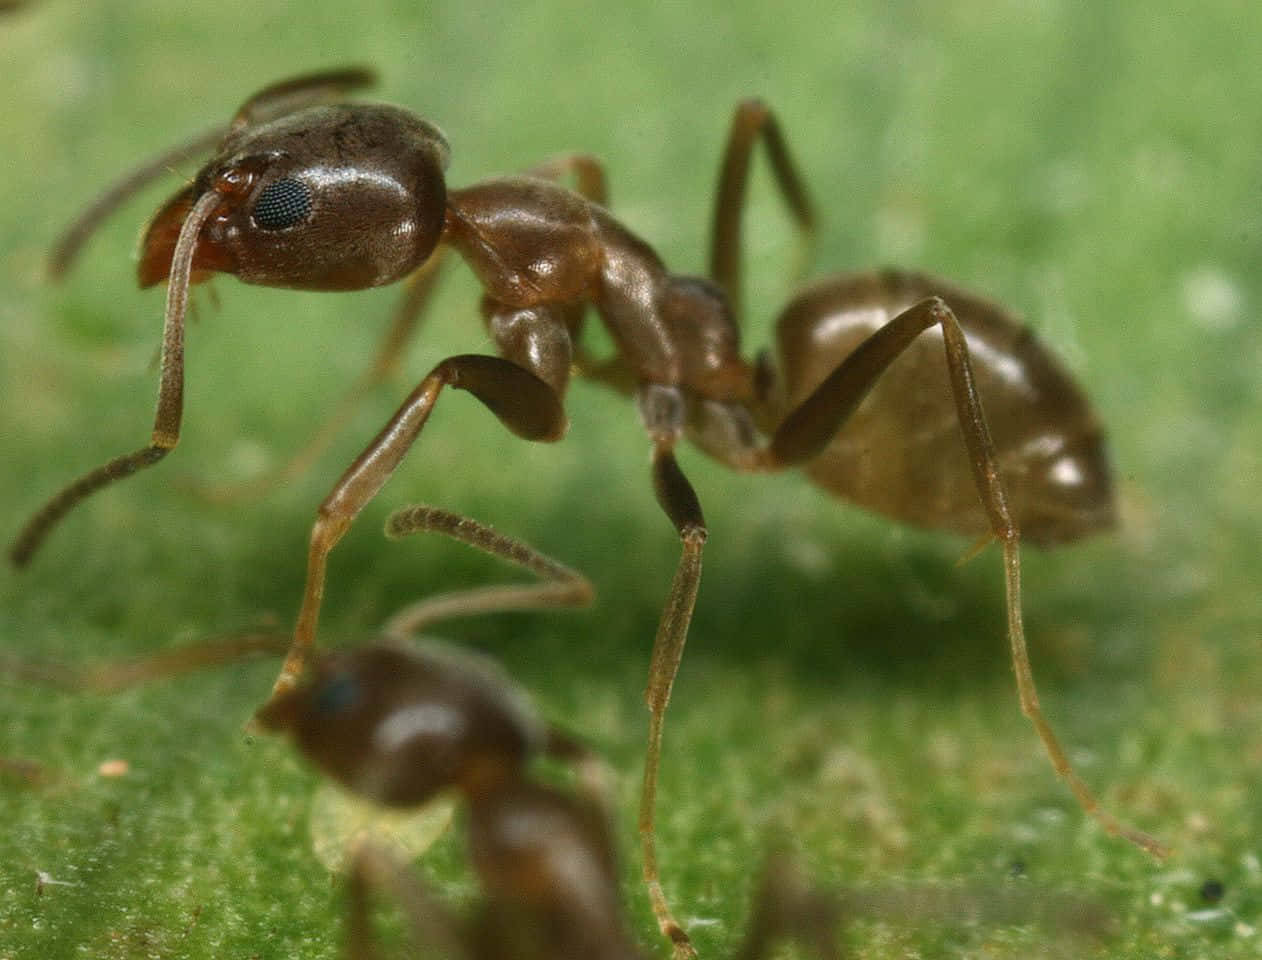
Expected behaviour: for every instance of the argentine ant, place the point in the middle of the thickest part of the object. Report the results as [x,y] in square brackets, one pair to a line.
[307,191]
[406,725]
[398,725]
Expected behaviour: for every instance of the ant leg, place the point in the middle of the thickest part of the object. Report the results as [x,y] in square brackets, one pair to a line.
[807,429]
[528,406]
[786,907]
[403,327]
[537,339]
[752,121]
[72,238]
[562,586]
[430,923]
[166,426]
[592,773]
[678,499]
[588,172]
[565,587]
[124,674]
[591,182]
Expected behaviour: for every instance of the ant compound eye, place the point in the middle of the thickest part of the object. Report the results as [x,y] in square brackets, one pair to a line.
[341,692]
[282,204]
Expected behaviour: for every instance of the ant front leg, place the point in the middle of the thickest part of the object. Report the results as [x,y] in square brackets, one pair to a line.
[589,181]
[663,413]
[524,403]
[808,428]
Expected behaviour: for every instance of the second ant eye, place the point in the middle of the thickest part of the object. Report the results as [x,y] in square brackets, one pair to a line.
[282,204]
[337,695]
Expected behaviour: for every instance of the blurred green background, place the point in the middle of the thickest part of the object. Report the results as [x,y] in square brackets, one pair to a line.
[846,691]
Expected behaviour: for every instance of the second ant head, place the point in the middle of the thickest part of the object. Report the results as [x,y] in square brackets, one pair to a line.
[398,725]
[337,197]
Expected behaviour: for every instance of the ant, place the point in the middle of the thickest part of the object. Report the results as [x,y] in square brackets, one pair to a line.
[404,723]
[308,191]
[401,723]
[398,725]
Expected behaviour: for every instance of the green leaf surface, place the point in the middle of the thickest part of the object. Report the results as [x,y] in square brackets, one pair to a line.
[846,692]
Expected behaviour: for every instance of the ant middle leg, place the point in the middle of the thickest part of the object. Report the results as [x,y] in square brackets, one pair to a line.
[807,429]
[662,410]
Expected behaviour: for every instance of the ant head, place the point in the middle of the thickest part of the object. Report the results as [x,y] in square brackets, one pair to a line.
[335,197]
[398,725]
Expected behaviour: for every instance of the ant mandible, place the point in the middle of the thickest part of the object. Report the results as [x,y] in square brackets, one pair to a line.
[306,192]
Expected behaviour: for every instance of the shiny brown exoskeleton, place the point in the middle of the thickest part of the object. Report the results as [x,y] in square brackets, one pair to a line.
[315,195]
[398,725]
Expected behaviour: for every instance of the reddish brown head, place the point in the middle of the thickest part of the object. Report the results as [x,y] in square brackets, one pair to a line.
[398,725]
[328,198]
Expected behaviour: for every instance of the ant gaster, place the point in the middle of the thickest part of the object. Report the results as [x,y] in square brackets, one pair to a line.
[309,193]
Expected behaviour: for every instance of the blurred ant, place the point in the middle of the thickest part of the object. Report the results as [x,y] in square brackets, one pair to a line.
[312,194]
[399,725]
[403,724]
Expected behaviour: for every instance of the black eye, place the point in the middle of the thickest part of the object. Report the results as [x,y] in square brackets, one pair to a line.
[339,693]
[282,204]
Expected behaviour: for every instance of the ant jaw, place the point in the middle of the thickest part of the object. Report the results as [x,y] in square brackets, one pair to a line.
[158,246]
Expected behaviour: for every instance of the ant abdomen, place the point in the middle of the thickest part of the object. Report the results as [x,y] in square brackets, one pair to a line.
[1049,445]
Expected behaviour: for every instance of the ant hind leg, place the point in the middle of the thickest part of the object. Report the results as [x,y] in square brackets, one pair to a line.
[808,428]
